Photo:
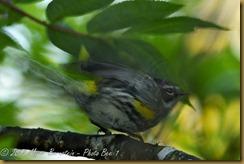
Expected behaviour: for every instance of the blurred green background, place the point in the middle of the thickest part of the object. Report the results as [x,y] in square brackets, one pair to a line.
[205,62]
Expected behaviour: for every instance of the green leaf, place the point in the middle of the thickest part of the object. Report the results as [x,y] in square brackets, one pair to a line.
[65,41]
[219,74]
[8,17]
[9,114]
[7,143]
[6,40]
[59,9]
[226,83]
[131,13]
[139,55]
[101,48]
[131,52]
[173,25]
[72,42]
[186,101]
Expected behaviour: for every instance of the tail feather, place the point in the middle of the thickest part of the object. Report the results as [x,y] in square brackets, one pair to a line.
[54,75]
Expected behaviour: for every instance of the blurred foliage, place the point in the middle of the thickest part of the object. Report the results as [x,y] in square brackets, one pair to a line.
[205,62]
[7,142]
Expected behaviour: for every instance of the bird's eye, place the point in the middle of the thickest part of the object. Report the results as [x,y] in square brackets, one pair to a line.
[169,91]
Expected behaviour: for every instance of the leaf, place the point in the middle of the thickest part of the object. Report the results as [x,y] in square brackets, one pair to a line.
[131,13]
[173,25]
[7,143]
[220,74]
[65,41]
[102,49]
[8,17]
[9,114]
[186,101]
[84,55]
[58,9]
[227,82]
[139,54]
[6,40]
[130,52]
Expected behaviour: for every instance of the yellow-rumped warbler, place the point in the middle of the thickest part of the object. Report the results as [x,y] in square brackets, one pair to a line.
[122,98]
[127,100]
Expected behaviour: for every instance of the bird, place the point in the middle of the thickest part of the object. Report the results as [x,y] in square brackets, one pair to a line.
[128,100]
[119,98]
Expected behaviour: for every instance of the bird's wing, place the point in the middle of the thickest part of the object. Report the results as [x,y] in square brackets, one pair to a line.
[142,85]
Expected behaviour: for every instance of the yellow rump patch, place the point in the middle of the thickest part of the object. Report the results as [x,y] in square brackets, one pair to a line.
[91,87]
[144,110]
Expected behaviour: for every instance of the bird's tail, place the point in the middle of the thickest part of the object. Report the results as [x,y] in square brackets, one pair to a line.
[78,88]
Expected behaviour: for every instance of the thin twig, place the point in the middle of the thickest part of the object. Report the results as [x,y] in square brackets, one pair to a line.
[43,23]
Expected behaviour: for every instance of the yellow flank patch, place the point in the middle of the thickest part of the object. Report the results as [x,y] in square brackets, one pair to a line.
[91,87]
[144,110]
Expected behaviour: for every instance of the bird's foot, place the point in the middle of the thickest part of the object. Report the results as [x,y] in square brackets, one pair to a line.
[137,136]
[103,130]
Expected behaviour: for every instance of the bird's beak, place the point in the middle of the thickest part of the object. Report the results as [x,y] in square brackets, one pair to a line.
[184,93]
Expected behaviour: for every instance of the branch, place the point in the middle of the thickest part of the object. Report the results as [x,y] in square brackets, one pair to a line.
[7,4]
[102,147]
